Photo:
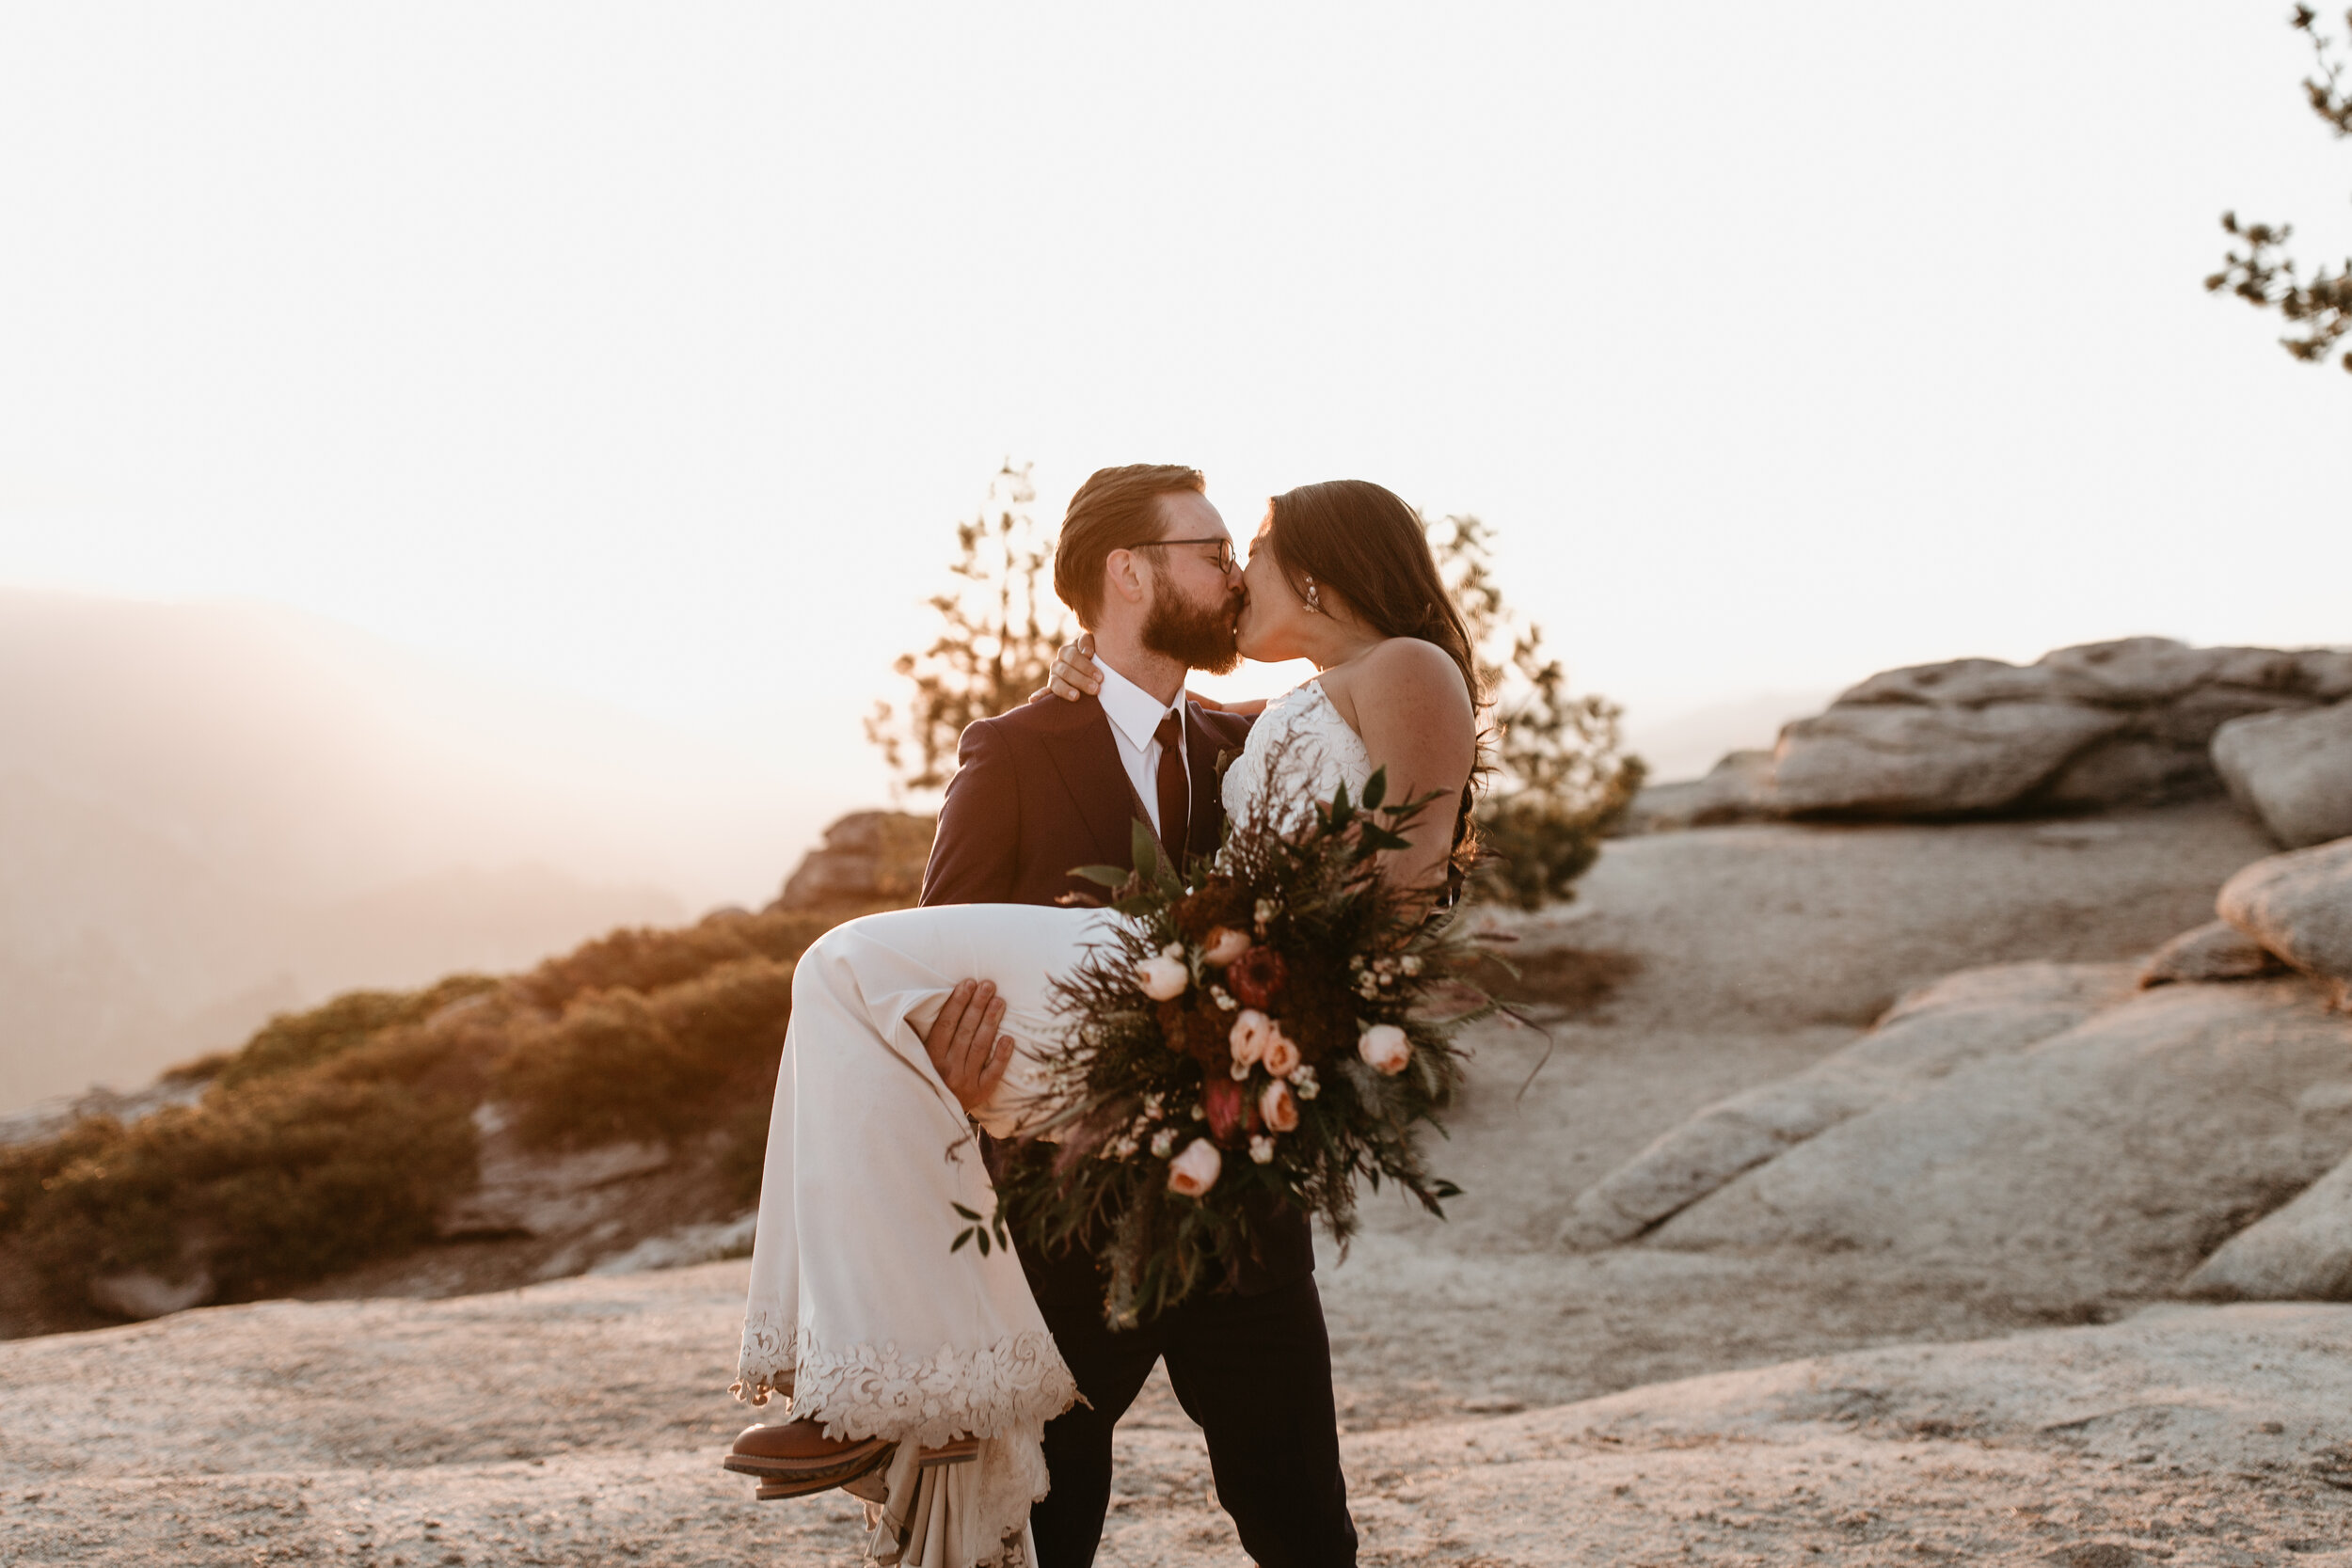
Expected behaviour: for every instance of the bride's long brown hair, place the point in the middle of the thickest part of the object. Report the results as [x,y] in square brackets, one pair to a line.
[1362,540]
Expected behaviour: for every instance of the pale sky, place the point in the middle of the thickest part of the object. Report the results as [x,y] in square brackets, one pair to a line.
[651,352]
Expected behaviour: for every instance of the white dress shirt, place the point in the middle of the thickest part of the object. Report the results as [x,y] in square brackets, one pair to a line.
[1135,715]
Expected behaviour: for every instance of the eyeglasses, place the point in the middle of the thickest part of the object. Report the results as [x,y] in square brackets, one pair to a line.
[1225,557]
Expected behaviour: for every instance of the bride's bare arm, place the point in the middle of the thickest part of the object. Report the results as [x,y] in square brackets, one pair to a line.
[1406,699]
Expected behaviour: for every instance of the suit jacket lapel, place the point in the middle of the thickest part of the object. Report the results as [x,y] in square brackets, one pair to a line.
[1202,746]
[1088,761]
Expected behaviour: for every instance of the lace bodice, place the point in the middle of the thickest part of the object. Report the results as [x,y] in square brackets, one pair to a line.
[1299,752]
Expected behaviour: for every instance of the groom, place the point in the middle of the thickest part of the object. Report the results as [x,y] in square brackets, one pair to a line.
[1148,566]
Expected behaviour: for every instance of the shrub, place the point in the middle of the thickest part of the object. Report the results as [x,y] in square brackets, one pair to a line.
[282,1181]
[291,1041]
[619,1065]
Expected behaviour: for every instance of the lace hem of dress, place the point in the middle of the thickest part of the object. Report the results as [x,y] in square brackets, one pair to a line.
[865,1390]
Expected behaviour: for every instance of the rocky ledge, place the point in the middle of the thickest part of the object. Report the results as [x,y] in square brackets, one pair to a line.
[2133,722]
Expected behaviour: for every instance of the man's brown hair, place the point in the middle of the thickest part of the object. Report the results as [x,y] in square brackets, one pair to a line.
[1116,509]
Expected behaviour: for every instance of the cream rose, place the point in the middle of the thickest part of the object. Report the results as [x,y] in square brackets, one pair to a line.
[1250,1032]
[1163,979]
[1385,1048]
[1224,946]
[1277,1109]
[1281,1055]
[1195,1170]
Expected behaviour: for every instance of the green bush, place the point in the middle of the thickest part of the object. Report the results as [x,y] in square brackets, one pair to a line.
[619,1065]
[290,1179]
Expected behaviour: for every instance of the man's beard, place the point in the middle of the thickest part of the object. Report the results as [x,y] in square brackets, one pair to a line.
[1199,637]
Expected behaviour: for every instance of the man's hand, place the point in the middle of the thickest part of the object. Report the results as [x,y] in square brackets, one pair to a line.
[964,1046]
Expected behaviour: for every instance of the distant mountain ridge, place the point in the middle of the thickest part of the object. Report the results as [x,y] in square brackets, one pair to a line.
[212,812]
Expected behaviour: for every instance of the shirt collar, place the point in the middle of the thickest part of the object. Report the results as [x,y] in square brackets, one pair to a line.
[1135,711]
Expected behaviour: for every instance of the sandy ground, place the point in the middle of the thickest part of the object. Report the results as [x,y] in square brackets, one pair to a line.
[580,1422]
[1506,1402]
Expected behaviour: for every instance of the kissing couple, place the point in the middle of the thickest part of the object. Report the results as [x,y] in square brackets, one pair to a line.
[967,1395]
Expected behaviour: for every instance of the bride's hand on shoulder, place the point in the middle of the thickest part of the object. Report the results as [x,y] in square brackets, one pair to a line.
[1073,674]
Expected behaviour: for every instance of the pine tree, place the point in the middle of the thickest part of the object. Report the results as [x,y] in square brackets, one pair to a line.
[999,626]
[1562,776]
[2263,274]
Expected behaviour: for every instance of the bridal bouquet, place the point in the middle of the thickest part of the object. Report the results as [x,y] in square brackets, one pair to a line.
[1263,1033]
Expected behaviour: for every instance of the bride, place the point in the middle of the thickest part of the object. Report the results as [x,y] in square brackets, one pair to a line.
[918,1378]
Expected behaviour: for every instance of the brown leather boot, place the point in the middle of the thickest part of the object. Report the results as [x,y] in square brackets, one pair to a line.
[796,1458]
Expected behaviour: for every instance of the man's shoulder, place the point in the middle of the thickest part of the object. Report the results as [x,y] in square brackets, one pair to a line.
[1228,729]
[1044,721]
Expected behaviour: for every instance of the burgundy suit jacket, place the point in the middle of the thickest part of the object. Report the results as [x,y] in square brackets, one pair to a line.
[1039,792]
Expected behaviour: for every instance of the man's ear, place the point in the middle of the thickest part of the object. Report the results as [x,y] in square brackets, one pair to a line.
[1124,575]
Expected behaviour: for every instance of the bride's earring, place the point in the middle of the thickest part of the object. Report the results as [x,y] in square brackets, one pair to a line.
[1315,600]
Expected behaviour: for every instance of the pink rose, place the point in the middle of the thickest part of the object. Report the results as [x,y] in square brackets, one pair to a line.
[1163,979]
[1385,1048]
[1277,1109]
[1250,1035]
[1195,1170]
[1281,1055]
[1224,946]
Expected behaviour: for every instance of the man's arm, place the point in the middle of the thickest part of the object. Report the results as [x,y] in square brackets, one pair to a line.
[977,850]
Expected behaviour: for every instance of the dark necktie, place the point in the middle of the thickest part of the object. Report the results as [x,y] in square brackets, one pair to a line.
[1175,789]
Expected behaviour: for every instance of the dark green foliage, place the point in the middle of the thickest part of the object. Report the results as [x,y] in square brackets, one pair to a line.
[2262,274]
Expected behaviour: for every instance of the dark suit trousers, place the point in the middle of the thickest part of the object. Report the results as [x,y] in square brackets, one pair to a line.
[1255,1373]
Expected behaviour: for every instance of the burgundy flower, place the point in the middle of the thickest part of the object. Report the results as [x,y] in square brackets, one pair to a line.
[1226,1103]
[1257,976]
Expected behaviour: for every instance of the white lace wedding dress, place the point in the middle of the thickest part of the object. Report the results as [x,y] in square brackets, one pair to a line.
[858,1313]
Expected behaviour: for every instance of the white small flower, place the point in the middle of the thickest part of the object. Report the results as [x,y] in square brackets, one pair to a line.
[1356,963]
[1162,979]
[1303,1084]
[1223,998]
[1224,946]
[1248,1039]
[1261,1150]
[1155,1105]
[1385,1048]
[1369,988]
[1163,1143]
[1196,1170]
[1409,963]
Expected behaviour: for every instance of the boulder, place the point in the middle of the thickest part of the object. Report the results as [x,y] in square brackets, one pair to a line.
[2298,905]
[1937,1028]
[2303,1252]
[2111,1157]
[2293,770]
[868,857]
[530,1193]
[2085,728]
[1910,760]
[2212,952]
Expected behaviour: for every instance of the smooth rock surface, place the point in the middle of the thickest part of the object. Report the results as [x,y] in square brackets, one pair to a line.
[2118,1153]
[2084,728]
[140,1293]
[2303,1252]
[1961,1018]
[2298,905]
[2292,770]
[2215,951]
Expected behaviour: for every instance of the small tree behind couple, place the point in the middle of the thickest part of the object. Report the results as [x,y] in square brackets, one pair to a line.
[1561,779]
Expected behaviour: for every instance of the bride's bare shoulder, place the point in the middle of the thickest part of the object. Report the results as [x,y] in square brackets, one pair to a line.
[1410,671]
